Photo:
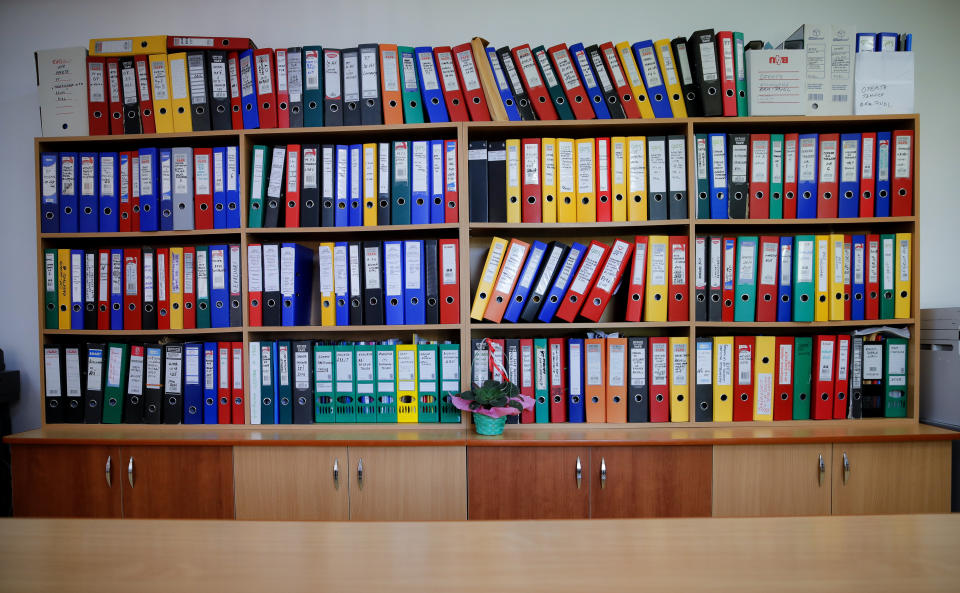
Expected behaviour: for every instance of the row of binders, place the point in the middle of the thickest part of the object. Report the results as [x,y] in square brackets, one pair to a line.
[884,42]
[578,180]
[832,277]
[804,175]
[193,383]
[147,288]
[150,189]
[411,282]
[541,282]
[742,378]
[303,382]
[354,185]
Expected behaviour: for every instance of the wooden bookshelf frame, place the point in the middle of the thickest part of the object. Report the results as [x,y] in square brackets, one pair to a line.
[477,234]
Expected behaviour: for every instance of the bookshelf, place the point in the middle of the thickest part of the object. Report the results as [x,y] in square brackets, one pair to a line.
[475,237]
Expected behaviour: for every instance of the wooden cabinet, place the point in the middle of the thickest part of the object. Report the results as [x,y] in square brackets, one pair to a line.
[771,480]
[650,482]
[95,481]
[177,482]
[291,483]
[528,482]
[407,483]
[880,478]
[66,481]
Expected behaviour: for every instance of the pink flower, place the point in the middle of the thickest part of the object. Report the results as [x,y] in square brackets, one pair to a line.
[462,404]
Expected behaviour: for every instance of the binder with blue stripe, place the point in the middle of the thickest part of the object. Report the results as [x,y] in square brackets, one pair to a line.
[858,256]
[509,103]
[210,382]
[575,407]
[806,183]
[437,177]
[193,411]
[68,177]
[414,297]
[882,204]
[219,188]
[109,197]
[149,202]
[849,186]
[559,287]
[88,201]
[589,79]
[646,57]
[166,189]
[420,166]
[50,192]
[784,288]
[525,282]
[232,177]
[355,183]
[717,154]
[430,85]
[248,96]
[341,195]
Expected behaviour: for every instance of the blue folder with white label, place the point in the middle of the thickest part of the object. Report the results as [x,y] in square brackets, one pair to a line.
[248,91]
[437,176]
[529,273]
[116,289]
[219,188]
[210,382]
[296,282]
[219,287]
[232,180]
[50,192]
[68,192]
[808,159]
[575,407]
[858,272]
[420,182]
[341,195]
[646,57]
[354,184]
[341,283]
[414,294]
[430,85]
[849,187]
[717,155]
[165,180]
[192,386]
[393,282]
[88,200]
[509,103]
[559,288]
[784,290]
[589,79]
[149,200]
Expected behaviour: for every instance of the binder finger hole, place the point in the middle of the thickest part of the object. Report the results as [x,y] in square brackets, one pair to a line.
[221,109]
[824,396]
[841,396]
[523,102]
[744,397]
[638,398]
[658,97]
[903,294]
[509,102]
[785,299]
[635,297]
[543,99]
[595,400]
[613,100]
[659,397]
[394,302]
[678,297]
[902,192]
[374,301]
[573,398]
[531,199]
[236,108]
[823,298]
[867,195]
[435,101]
[88,210]
[553,298]
[202,306]
[715,298]
[449,300]
[727,303]
[729,92]
[413,104]
[657,297]
[789,195]
[180,109]
[712,91]
[804,298]
[701,298]
[704,406]
[549,198]
[116,307]
[603,199]
[334,107]
[827,195]
[573,298]
[767,298]
[148,308]
[567,200]
[745,297]
[596,302]
[784,396]
[723,397]
[637,199]
[67,210]
[858,296]
[557,399]
[535,299]
[680,397]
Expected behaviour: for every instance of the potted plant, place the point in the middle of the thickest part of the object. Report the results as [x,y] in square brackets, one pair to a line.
[491,403]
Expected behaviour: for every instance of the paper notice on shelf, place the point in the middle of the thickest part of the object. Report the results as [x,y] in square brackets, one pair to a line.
[884,83]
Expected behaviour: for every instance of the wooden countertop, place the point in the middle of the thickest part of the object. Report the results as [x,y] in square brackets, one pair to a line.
[895,553]
[868,430]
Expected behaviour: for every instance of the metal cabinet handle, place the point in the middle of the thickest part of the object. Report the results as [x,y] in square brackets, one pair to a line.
[822,469]
[109,473]
[130,472]
[336,473]
[603,473]
[846,468]
[579,472]
[360,473]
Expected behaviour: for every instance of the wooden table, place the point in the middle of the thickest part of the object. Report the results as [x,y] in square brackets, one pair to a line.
[896,553]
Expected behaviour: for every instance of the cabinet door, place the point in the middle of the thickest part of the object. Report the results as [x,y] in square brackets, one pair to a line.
[771,480]
[528,482]
[177,482]
[407,483]
[650,482]
[291,483]
[66,481]
[891,478]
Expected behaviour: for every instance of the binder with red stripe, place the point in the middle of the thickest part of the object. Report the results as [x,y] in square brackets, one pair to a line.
[451,85]
[759,187]
[841,386]
[872,269]
[901,184]
[224,381]
[132,286]
[202,188]
[557,379]
[236,389]
[255,284]
[659,368]
[636,282]
[114,99]
[678,306]
[767,279]
[470,81]
[449,291]
[824,356]
[283,93]
[98,108]
[526,378]
[604,201]
[533,83]
[609,279]
[189,287]
[531,208]
[147,119]
[236,108]
[828,183]
[791,155]
[868,177]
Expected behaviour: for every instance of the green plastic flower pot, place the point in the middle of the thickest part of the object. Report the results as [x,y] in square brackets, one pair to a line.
[489,426]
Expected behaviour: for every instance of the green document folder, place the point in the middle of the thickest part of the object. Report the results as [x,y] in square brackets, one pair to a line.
[449,381]
[258,186]
[552,82]
[365,372]
[740,68]
[776,176]
[802,359]
[312,86]
[428,395]
[51,315]
[803,277]
[115,383]
[888,266]
[323,383]
[541,387]
[345,388]
[386,384]
[745,306]
[409,87]
[895,378]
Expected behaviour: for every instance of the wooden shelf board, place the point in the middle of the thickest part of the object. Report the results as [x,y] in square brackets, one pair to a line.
[800,324]
[563,326]
[349,329]
[736,222]
[484,228]
[207,331]
[399,228]
[145,236]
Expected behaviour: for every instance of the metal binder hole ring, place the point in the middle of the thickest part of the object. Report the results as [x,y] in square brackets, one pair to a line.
[729,92]
[49,215]
[785,299]
[612,99]
[393,302]
[236,108]
[180,109]
[827,195]
[902,192]
[543,99]
[744,397]
[635,296]
[312,104]
[659,397]
[596,301]
[283,105]
[658,97]
[767,297]
[220,109]
[701,298]
[824,396]
[449,300]
[88,210]
[435,101]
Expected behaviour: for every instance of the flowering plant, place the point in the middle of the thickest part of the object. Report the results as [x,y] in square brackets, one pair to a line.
[494,399]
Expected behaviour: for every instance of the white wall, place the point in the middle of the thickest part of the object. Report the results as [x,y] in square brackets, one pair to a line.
[40,24]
